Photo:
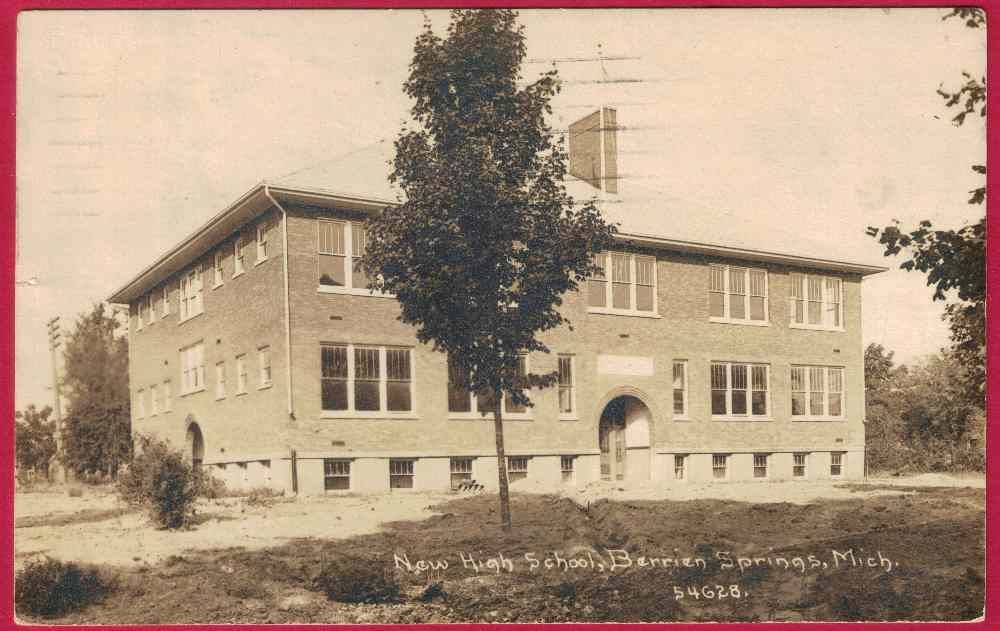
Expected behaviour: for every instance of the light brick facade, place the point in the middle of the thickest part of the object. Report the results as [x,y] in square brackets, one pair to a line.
[280,437]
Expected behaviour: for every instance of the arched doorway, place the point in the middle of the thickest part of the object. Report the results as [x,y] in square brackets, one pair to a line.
[195,444]
[623,436]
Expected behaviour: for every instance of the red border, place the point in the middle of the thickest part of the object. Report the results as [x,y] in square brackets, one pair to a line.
[8,66]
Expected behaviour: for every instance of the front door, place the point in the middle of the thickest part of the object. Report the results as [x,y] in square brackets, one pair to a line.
[611,438]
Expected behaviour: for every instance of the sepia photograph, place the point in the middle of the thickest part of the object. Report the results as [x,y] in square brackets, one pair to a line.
[393,316]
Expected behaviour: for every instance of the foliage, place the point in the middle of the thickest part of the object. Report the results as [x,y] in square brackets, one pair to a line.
[95,382]
[357,579]
[487,240]
[954,260]
[48,587]
[34,437]
[161,481]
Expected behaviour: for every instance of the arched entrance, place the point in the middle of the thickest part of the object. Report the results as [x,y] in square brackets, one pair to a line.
[623,436]
[195,444]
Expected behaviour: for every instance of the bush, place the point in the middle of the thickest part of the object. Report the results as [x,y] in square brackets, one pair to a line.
[162,482]
[48,587]
[209,486]
[353,579]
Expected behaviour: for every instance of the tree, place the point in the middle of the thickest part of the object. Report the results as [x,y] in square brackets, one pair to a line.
[35,440]
[95,381]
[954,260]
[486,241]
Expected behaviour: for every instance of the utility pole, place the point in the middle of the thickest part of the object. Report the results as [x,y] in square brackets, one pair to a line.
[55,343]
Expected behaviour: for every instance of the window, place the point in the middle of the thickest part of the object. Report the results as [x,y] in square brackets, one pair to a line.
[154,393]
[241,374]
[739,390]
[264,366]
[217,269]
[191,299]
[461,471]
[632,286]
[680,466]
[517,468]
[341,245]
[239,255]
[262,242]
[817,392]
[165,303]
[567,395]
[167,396]
[400,474]
[566,466]
[799,465]
[366,378]
[680,389]
[193,368]
[359,243]
[150,310]
[720,466]
[140,403]
[837,463]
[462,401]
[332,254]
[737,294]
[336,475]
[220,380]
[816,302]
[760,465]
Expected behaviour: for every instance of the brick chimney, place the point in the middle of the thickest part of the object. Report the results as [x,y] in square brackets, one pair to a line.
[593,149]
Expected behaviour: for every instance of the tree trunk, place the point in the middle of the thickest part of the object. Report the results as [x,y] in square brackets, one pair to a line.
[501,462]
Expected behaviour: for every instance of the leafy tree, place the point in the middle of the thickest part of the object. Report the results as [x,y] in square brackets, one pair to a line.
[35,439]
[487,240]
[95,381]
[954,260]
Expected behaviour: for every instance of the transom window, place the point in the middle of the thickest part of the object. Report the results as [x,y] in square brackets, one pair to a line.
[400,474]
[192,368]
[799,465]
[630,287]
[760,465]
[680,388]
[737,294]
[462,401]
[517,468]
[461,471]
[740,390]
[336,475]
[191,294]
[567,394]
[341,244]
[817,392]
[366,379]
[816,302]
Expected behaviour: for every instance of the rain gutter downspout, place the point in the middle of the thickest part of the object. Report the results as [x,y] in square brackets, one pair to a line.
[288,313]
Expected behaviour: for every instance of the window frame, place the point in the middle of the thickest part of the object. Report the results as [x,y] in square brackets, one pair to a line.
[633,283]
[803,288]
[765,467]
[220,380]
[841,463]
[727,270]
[474,414]
[189,296]
[264,353]
[749,416]
[724,459]
[239,256]
[409,467]
[262,242]
[242,377]
[165,302]
[684,414]
[383,411]
[807,416]
[218,271]
[150,309]
[327,475]
[571,469]
[348,260]
[680,467]
[452,473]
[572,415]
[522,474]
[804,465]
[187,387]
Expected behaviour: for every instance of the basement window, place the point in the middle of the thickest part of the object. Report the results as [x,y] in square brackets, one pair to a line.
[836,464]
[567,466]
[336,475]
[461,471]
[680,466]
[517,468]
[760,465]
[400,474]
[799,465]
[720,466]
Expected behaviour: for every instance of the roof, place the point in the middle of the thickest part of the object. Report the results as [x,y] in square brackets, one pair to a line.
[358,179]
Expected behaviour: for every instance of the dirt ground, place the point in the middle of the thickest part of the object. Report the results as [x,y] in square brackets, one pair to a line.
[887,551]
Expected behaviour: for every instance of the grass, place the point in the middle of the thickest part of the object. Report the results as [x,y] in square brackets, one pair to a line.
[85,516]
[935,537]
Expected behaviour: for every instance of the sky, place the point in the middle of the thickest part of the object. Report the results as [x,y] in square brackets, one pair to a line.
[134,128]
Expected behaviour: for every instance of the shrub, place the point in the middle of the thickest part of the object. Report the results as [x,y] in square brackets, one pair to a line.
[354,579]
[48,587]
[162,482]
[209,486]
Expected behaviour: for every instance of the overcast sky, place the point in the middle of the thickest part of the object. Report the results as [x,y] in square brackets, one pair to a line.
[136,127]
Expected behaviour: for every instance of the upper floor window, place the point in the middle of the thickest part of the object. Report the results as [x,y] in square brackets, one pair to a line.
[817,392]
[239,255]
[165,302]
[737,294]
[241,374]
[341,244]
[462,401]
[680,387]
[367,379]
[154,399]
[193,368]
[625,283]
[191,294]
[167,396]
[816,302]
[262,230]
[220,380]
[567,387]
[140,403]
[264,366]
[217,268]
[150,309]
[739,390]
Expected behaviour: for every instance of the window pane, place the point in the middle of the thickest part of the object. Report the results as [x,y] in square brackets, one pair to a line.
[399,396]
[331,271]
[565,400]
[511,407]
[644,273]
[597,285]
[678,402]
[334,394]
[798,403]
[798,378]
[716,305]
[366,379]
[816,385]
[835,407]
[815,285]
[621,281]
[737,293]
[644,298]
[331,237]
[716,278]
[459,399]
[756,308]
[679,374]
[739,377]
[739,401]
[718,402]
[720,381]
[759,403]
[620,295]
